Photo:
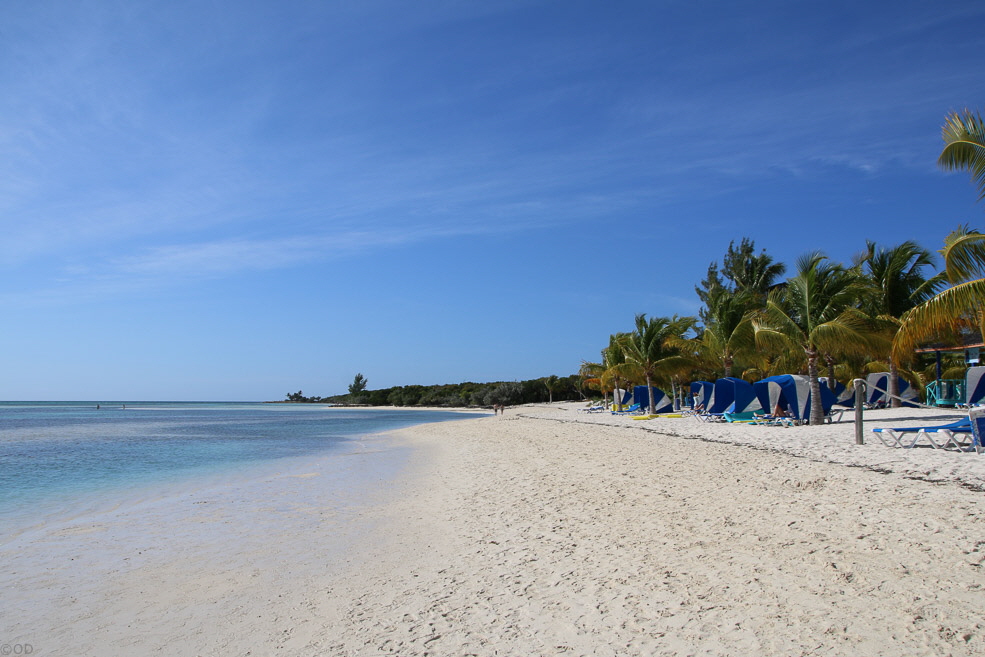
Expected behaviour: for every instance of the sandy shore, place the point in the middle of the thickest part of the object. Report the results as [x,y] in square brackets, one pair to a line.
[545,532]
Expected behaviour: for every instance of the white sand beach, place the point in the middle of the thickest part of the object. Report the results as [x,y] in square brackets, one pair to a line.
[546,531]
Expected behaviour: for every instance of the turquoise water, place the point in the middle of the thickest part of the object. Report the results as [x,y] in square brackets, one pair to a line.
[54,453]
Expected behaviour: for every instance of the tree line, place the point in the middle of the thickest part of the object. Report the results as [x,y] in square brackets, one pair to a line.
[458,395]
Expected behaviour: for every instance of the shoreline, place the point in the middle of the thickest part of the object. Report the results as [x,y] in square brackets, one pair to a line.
[523,534]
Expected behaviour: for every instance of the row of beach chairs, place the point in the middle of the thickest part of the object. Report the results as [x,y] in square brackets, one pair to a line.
[966,434]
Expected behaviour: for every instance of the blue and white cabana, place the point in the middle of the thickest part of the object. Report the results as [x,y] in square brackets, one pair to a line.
[662,403]
[877,385]
[975,386]
[733,395]
[792,392]
[622,397]
[843,396]
[701,392]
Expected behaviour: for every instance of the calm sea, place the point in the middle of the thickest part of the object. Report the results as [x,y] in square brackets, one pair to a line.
[55,454]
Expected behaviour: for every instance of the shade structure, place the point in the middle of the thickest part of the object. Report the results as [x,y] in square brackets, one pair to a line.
[792,393]
[843,396]
[975,385]
[701,392]
[877,386]
[662,403]
[733,395]
[620,396]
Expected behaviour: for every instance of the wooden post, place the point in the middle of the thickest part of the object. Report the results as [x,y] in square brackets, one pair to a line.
[859,402]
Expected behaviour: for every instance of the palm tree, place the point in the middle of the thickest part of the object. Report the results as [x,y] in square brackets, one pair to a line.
[609,373]
[896,283]
[654,348]
[814,313]
[552,383]
[964,146]
[728,332]
[964,249]
[958,308]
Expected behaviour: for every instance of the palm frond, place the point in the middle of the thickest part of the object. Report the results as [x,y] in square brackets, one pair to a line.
[964,146]
[964,255]
[940,314]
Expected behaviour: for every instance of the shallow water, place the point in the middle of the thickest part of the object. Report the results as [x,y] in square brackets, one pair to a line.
[65,457]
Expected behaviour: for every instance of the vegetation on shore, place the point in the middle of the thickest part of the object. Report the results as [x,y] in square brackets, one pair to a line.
[460,395]
[847,320]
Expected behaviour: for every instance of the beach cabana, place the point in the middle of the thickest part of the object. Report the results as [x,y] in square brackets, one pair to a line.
[975,386]
[622,397]
[843,396]
[877,386]
[792,392]
[733,395]
[701,392]
[661,402]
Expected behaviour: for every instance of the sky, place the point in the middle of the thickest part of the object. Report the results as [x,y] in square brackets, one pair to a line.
[238,200]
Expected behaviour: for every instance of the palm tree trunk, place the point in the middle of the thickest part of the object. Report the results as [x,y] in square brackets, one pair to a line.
[894,401]
[727,362]
[831,371]
[649,389]
[817,409]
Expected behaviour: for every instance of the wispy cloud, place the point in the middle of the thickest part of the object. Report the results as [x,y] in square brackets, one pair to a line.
[176,265]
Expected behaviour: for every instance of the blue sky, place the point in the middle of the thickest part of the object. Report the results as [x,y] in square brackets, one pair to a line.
[236,200]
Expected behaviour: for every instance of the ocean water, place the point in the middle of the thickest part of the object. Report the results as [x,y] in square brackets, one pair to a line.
[59,455]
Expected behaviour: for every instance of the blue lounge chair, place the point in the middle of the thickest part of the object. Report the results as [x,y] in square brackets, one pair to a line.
[739,417]
[939,437]
[635,408]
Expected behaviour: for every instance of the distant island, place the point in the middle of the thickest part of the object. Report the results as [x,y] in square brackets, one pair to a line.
[456,395]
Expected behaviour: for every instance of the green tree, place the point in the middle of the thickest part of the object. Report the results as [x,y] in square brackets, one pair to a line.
[964,146]
[754,274]
[552,383]
[959,307]
[607,375]
[815,313]
[743,271]
[957,310]
[728,330]
[654,349]
[507,394]
[896,282]
[358,385]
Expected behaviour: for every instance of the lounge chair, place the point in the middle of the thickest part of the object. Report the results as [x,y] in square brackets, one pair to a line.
[773,420]
[739,417]
[705,416]
[635,408]
[939,437]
